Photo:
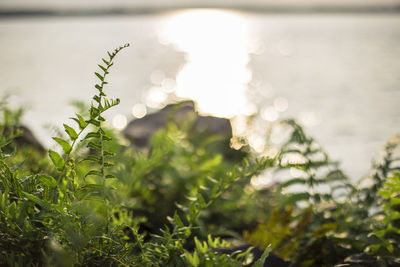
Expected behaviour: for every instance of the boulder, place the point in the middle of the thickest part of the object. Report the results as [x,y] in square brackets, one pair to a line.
[139,131]
[27,138]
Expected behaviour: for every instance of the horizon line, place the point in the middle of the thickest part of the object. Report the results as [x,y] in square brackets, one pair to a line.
[120,11]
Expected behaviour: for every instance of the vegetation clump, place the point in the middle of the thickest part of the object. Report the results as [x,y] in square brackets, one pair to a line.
[94,202]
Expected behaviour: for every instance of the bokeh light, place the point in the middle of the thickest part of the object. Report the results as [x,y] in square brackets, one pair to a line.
[119,121]
[269,114]
[155,97]
[281,104]
[139,110]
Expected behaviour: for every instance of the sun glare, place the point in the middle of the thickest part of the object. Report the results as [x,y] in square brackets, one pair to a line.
[215,74]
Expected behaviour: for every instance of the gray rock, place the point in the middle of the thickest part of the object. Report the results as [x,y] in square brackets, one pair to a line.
[139,131]
[26,138]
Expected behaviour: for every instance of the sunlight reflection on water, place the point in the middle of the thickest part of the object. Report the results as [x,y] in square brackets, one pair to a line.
[216,73]
[336,74]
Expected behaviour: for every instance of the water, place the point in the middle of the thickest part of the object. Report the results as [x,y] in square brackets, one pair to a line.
[337,74]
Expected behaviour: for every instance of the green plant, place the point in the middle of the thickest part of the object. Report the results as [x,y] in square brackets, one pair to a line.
[74,211]
[355,228]
[95,202]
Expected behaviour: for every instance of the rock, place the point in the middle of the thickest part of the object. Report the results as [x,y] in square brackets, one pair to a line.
[26,138]
[214,125]
[139,131]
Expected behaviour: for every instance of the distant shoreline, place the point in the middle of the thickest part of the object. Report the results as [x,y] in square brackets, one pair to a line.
[120,11]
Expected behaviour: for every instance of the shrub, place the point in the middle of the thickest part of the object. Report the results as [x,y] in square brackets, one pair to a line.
[96,202]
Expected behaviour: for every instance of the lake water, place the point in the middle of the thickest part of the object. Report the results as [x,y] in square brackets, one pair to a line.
[337,74]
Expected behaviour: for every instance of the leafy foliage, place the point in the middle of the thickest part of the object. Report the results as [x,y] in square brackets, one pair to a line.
[345,225]
[95,202]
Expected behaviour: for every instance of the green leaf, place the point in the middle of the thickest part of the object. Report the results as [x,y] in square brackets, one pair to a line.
[39,201]
[94,122]
[293,181]
[93,158]
[11,210]
[202,247]
[394,201]
[71,132]
[108,164]
[177,220]
[64,144]
[86,189]
[103,69]
[6,142]
[82,122]
[5,180]
[94,112]
[97,98]
[99,76]
[201,201]
[47,180]
[193,211]
[17,166]
[244,253]
[94,146]
[109,176]
[92,135]
[260,262]
[106,62]
[385,193]
[106,138]
[192,259]
[107,153]
[57,160]
[93,172]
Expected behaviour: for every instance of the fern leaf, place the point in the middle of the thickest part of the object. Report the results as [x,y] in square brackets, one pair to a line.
[71,132]
[93,158]
[99,76]
[103,69]
[57,160]
[106,138]
[293,181]
[107,153]
[93,172]
[39,201]
[47,180]
[97,98]
[260,262]
[105,62]
[92,135]
[80,121]
[94,146]
[108,164]
[94,122]
[64,144]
